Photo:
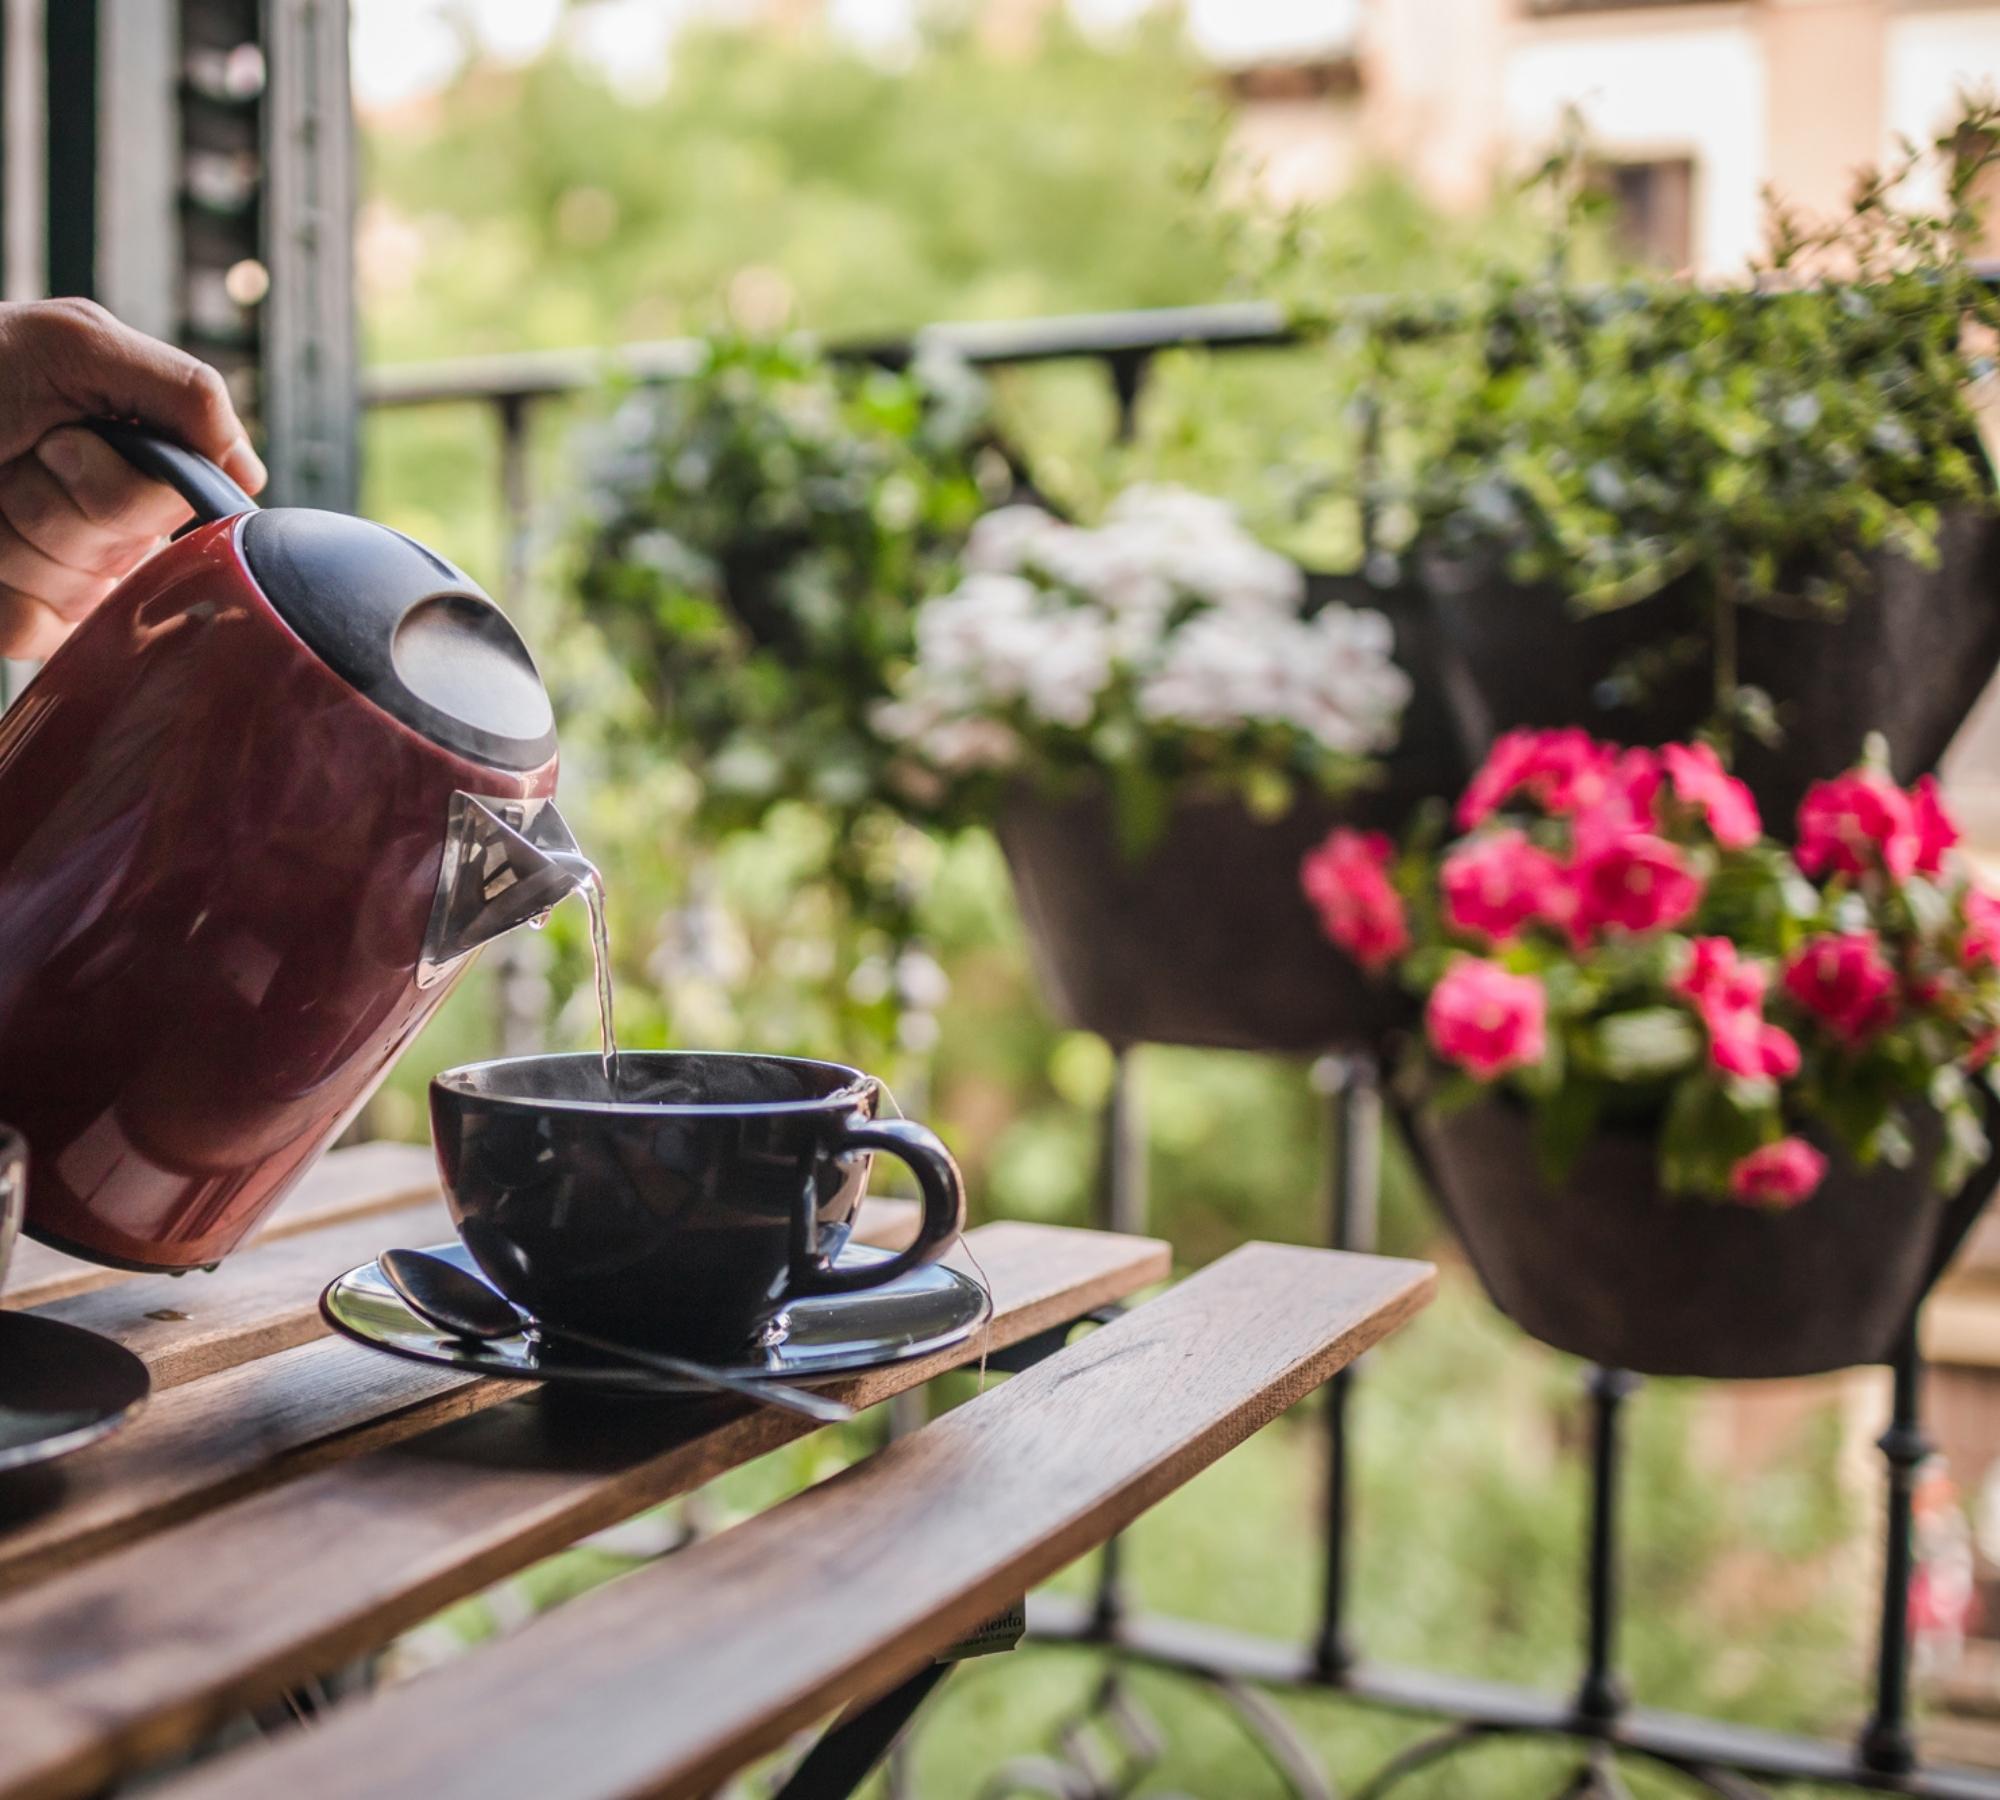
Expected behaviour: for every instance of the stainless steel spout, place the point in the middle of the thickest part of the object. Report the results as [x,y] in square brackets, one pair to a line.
[505,862]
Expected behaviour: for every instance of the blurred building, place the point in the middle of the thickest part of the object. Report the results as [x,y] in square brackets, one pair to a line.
[1696,108]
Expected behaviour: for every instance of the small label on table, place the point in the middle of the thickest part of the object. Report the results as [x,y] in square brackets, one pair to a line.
[1001,1632]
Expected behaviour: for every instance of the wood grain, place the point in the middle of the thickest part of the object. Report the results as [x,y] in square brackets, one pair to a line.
[668,1681]
[136,1653]
[344,1184]
[199,1446]
[268,1410]
[262,1301]
[266,1299]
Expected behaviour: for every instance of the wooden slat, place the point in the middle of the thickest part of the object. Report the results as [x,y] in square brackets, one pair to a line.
[266,1299]
[262,1301]
[137,1652]
[273,1405]
[671,1680]
[346,1184]
[202,1445]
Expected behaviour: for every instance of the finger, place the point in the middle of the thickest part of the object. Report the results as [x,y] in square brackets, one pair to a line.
[41,511]
[28,629]
[105,489]
[95,367]
[70,593]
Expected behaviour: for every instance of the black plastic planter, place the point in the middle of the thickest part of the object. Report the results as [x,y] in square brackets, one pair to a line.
[1909,658]
[1608,1267]
[1205,939]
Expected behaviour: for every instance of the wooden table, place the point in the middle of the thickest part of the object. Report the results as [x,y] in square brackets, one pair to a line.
[289,1502]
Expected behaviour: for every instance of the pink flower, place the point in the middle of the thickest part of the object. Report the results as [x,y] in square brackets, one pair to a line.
[1347,879]
[1486,1020]
[1617,803]
[1716,976]
[1563,772]
[1855,823]
[1637,883]
[1505,768]
[1728,995]
[1777,1053]
[1495,884]
[1843,981]
[1700,780]
[1780,1174]
[1937,830]
[1981,942]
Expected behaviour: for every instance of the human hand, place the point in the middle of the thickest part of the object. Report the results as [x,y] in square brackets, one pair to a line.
[75,516]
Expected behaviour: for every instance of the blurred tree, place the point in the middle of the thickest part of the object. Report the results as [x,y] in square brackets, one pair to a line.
[782,182]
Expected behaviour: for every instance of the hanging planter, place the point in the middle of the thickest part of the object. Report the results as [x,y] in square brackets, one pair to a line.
[1203,938]
[1696,1103]
[1120,693]
[1652,508]
[1605,1264]
[1907,655]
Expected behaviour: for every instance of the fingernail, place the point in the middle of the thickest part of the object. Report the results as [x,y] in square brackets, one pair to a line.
[245,464]
[62,456]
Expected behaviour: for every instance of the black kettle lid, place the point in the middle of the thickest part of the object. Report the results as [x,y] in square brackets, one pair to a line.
[411,631]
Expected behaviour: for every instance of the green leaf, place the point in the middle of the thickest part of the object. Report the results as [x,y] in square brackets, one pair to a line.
[1564,1123]
[1454,1093]
[1140,803]
[1965,1148]
[1647,1044]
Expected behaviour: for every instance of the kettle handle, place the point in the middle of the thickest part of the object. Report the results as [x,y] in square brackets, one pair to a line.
[211,493]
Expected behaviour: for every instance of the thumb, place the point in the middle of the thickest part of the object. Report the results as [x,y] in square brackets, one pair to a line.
[70,360]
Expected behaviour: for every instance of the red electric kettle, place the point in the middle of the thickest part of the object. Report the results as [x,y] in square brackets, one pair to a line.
[255,816]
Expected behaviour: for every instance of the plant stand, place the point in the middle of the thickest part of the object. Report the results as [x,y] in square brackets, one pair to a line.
[1727,1760]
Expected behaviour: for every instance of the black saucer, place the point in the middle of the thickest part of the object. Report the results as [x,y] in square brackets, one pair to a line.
[925,1311]
[61,1387]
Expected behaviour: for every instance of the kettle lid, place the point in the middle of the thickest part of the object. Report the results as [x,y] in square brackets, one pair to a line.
[409,630]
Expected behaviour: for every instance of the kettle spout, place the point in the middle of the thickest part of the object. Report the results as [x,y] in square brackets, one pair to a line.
[505,862]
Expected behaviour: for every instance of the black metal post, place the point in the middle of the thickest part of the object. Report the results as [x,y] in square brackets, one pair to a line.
[1353,1182]
[520,961]
[1121,1176]
[856,1742]
[1128,382]
[1887,1743]
[1121,1206]
[1601,1696]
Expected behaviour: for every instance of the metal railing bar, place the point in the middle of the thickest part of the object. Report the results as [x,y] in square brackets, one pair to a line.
[533,374]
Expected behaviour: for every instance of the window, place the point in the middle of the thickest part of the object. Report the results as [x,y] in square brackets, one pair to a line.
[1652,207]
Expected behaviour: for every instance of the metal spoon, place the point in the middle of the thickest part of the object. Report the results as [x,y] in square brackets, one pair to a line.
[464,1305]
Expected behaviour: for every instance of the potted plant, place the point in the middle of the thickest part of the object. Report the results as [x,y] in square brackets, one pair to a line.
[1161,714]
[751,541]
[1652,507]
[1696,1103]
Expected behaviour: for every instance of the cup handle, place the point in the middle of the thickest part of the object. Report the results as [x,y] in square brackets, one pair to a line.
[944,1205]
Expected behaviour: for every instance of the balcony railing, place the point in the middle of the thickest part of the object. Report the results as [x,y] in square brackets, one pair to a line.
[1714,1758]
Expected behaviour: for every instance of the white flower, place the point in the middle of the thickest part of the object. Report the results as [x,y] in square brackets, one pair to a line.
[954,743]
[1009,538]
[1119,569]
[959,746]
[1070,666]
[1219,671]
[996,639]
[1331,676]
[1173,511]
[1169,593]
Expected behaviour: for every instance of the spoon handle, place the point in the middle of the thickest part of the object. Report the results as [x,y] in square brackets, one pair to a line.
[817,1407]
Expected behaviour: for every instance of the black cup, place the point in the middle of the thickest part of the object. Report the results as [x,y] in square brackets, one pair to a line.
[690,1210]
